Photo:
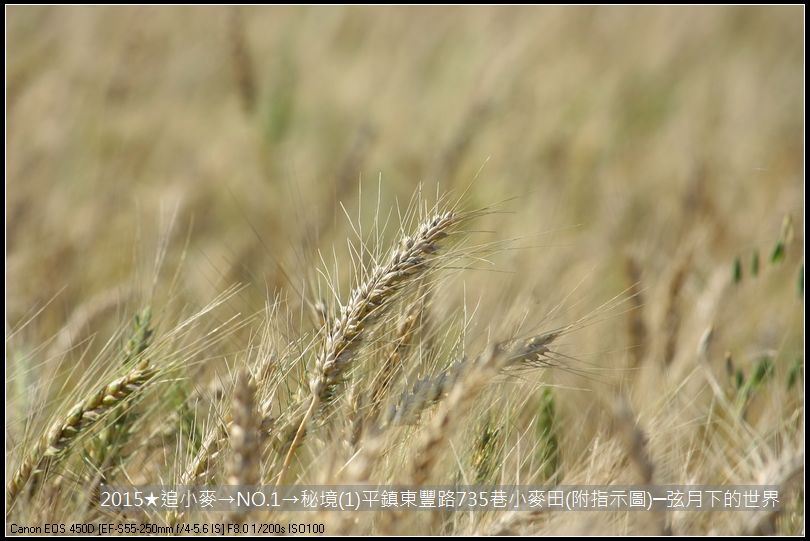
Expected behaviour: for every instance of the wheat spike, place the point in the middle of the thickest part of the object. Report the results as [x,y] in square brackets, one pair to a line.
[244,433]
[54,444]
[430,390]
[367,302]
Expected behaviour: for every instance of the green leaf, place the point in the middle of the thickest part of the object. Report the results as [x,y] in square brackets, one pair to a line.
[795,372]
[739,379]
[762,372]
[737,270]
[486,456]
[549,449]
[778,252]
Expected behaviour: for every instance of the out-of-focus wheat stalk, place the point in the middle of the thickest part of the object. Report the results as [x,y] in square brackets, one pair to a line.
[241,58]
[245,433]
[429,390]
[636,326]
[392,364]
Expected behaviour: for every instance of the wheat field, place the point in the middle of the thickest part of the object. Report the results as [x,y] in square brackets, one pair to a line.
[414,246]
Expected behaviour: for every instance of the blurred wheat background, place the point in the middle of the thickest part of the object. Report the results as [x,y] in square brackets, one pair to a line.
[639,168]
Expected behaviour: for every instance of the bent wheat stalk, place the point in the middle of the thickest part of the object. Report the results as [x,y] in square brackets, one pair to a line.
[105,451]
[494,359]
[392,365]
[408,261]
[53,445]
[518,354]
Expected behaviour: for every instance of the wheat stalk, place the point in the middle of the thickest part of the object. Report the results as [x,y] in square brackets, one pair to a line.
[80,418]
[242,60]
[392,365]
[672,315]
[430,390]
[103,451]
[407,261]
[636,326]
[244,433]
[427,451]
[636,444]
[496,358]
[214,441]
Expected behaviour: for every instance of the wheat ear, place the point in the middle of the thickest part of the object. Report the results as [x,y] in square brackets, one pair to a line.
[53,445]
[636,326]
[105,449]
[392,365]
[519,354]
[244,433]
[435,433]
[408,261]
